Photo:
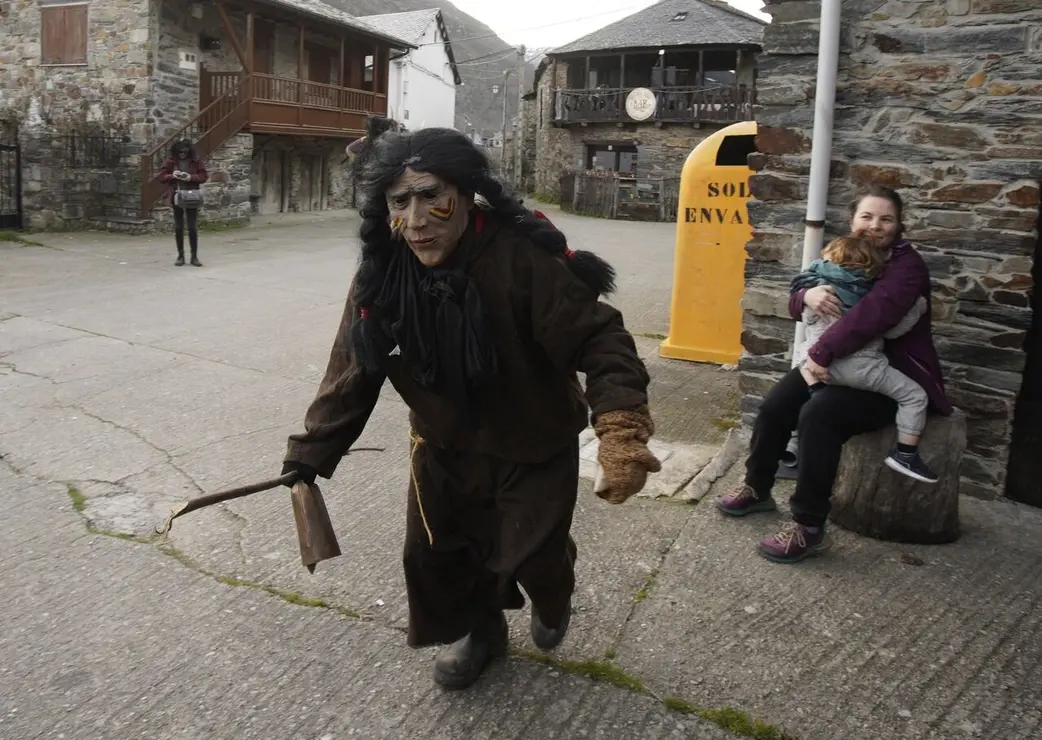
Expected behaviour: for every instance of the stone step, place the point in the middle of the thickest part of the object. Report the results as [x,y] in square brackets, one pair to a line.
[681,464]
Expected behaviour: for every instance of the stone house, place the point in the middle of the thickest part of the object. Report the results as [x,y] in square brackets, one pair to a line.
[941,99]
[421,90]
[271,92]
[635,97]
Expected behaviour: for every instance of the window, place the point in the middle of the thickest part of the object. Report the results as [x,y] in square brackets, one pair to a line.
[612,158]
[63,36]
[369,68]
[681,16]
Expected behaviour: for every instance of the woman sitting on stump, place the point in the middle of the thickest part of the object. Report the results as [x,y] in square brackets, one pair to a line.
[480,316]
[829,417]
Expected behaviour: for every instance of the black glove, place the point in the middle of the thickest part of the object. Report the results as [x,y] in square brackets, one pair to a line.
[304,472]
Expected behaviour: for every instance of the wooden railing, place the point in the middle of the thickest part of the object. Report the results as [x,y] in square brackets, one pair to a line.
[672,105]
[214,125]
[272,89]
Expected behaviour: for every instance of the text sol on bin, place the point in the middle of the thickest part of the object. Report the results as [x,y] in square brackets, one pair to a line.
[705,323]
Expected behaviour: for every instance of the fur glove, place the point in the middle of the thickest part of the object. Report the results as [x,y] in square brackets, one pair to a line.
[624,455]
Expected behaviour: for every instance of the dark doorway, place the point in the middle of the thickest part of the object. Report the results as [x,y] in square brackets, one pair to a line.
[1024,476]
[10,178]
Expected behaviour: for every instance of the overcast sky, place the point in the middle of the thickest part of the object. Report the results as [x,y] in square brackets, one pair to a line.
[549,23]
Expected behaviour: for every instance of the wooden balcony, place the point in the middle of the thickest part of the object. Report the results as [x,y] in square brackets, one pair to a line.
[284,105]
[721,105]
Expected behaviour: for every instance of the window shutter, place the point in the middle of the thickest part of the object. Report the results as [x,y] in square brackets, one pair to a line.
[63,35]
[76,34]
[51,21]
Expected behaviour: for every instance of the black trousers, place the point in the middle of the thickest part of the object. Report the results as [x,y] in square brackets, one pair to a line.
[825,421]
[191,216]
[183,215]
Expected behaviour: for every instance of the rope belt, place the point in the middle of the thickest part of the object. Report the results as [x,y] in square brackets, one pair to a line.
[416,441]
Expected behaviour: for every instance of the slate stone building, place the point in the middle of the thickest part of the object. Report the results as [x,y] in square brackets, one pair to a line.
[941,99]
[271,91]
[698,59]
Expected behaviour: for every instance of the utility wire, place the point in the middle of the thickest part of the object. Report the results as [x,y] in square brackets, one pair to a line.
[536,28]
[482,60]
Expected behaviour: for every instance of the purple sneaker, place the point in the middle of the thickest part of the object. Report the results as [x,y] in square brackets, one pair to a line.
[794,543]
[744,500]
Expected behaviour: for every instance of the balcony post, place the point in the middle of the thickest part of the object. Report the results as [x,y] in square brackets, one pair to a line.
[250,44]
[300,75]
[376,75]
[340,94]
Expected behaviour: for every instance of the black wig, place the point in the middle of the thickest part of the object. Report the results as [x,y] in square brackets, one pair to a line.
[439,330]
[454,158]
[375,127]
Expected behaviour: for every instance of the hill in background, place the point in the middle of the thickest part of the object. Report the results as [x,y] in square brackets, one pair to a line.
[477,107]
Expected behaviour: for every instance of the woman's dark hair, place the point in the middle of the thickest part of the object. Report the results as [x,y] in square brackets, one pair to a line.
[183,144]
[881,191]
[455,159]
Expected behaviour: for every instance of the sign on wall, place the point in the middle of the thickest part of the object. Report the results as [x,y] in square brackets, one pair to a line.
[641,104]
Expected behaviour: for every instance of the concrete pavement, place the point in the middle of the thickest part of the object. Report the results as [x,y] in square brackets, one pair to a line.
[127,384]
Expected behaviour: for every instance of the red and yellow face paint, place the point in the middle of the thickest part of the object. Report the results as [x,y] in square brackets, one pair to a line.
[397,225]
[444,214]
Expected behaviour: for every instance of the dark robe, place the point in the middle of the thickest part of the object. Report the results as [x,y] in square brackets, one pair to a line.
[495,497]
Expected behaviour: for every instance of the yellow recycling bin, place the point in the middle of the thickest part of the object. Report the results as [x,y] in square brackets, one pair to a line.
[705,323]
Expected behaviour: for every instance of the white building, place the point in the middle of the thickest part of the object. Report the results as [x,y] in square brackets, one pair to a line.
[422,89]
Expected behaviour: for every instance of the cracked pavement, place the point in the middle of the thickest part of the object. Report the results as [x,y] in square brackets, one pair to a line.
[128,385]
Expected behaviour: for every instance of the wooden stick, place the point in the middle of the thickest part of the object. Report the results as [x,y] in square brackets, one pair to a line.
[227,495]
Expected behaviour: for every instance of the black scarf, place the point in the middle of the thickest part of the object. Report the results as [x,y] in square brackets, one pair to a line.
[434,318]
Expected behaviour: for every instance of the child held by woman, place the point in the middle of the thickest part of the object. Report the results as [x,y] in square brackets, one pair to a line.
[850,266]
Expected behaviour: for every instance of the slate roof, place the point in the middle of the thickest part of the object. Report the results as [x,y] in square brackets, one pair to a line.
[318,9]
[411,26]
[706,22]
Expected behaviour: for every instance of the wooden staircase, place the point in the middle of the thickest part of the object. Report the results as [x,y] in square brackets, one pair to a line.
[226,116]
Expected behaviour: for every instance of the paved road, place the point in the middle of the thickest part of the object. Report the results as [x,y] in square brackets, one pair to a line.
[127,384]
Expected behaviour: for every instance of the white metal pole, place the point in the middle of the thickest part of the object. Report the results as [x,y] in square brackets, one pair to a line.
[820,161]
[821,144]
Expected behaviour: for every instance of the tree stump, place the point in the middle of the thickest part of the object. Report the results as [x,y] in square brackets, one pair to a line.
[873,500]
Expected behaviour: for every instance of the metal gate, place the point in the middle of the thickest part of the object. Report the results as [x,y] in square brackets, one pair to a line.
[10,179]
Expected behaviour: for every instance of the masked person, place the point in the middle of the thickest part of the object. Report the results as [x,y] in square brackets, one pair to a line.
[480,317]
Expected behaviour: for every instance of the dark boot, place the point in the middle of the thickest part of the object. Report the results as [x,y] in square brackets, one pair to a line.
[459,664]
[179,238]
[193,242]
[546,638]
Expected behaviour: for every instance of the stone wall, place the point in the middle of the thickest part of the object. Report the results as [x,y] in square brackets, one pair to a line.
[528,135]
[942,100]
[108,92]
[661,149]
[69,178]
[228,191]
